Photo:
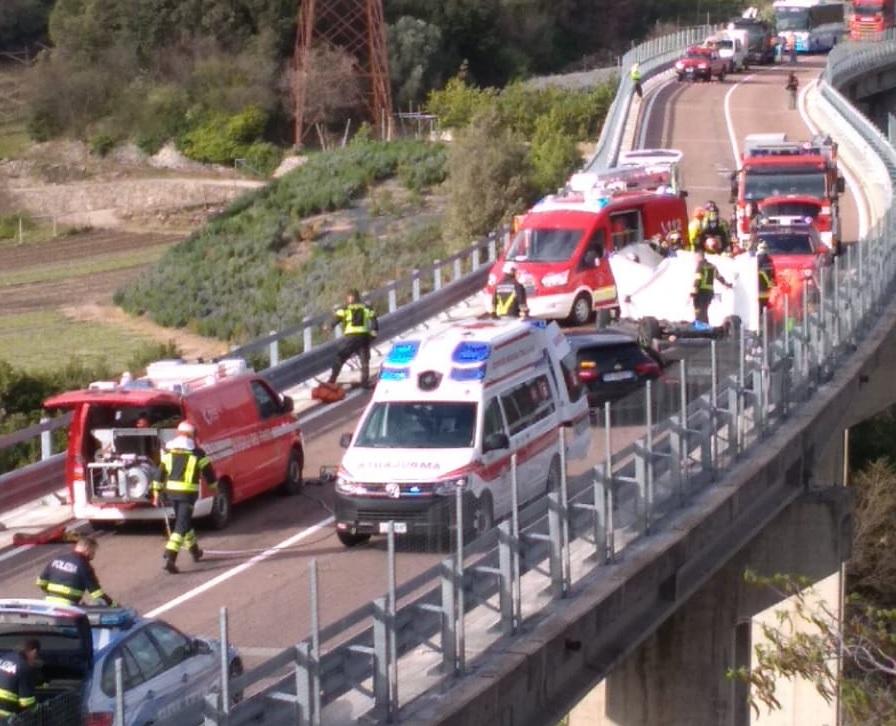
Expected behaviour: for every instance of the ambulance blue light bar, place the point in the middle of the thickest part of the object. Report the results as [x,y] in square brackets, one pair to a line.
[471,352]
[403,353]
[468,374]
[394,374]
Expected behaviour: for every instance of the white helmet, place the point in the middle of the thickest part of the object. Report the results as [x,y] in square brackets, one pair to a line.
[185,428]
[509,268]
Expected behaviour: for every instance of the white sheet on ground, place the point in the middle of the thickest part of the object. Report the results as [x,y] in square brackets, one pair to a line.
[648,285]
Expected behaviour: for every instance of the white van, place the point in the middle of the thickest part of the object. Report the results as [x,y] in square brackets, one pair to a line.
[449,411]
[732,46]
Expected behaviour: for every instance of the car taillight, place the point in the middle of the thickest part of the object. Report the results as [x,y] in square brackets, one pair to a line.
[587,370]
[823,223]
[103,718]
[647,368]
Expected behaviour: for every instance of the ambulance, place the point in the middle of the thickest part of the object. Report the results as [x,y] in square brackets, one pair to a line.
[119,430]
[448,413]
[561,247]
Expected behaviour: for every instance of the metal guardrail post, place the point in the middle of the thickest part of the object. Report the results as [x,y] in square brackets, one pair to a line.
[382,689]
[303,711]
[224,637]
[307,332]
[46,441]
[119,692]
[460,663]
[476,258]
[493,247]
[714,407]
[437,275]
[391,608]
[415,286]
[649,458]
[564,513]
[457,268]
[393,297]
[314,654]
[515,522]
[274,351]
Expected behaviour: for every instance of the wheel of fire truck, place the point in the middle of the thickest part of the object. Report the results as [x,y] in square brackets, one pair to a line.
[648,331]
[352,540]
[293,483]
[581,309]
[732,325]
[222,506]
[604,318]
[479,516]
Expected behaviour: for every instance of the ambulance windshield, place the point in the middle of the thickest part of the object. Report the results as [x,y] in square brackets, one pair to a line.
[419,425]
[544,245]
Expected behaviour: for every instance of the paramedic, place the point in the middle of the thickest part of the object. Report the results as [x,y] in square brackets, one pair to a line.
[509,299]
[67,578]
[359,327]
[182,465]
[704,287]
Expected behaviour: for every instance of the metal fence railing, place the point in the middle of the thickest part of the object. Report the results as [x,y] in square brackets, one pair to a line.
[696,426]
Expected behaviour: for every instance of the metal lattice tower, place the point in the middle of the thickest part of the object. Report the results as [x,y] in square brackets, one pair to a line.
[359,28]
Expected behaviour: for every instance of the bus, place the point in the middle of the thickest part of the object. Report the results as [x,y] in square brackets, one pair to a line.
[815,25]
[870,18]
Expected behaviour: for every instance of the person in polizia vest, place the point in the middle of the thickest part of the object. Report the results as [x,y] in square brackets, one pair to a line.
[68,578]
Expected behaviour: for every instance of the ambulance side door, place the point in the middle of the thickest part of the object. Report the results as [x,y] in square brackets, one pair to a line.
[495,473]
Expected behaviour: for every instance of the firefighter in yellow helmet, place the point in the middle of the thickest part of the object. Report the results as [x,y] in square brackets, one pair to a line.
[182,465]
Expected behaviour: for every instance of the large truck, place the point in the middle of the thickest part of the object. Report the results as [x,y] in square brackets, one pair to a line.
[870,18]
[772,166]
[811,25]
[761,40]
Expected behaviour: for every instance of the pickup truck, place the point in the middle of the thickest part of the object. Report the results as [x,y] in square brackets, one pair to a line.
[700,63]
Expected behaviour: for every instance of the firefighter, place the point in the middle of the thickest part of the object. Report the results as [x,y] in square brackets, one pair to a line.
[182,465]
[359,328]
[714,226]
[509,299]
[695,226]
[792,86]
[17,679]
[67,578]
[635,75]
[704,287]
[766,272]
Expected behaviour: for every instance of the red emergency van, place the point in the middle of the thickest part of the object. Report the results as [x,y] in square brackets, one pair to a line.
[119,430]
[561,247]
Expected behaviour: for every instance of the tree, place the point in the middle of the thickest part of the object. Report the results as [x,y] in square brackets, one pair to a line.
[23,22]
[414,57]
[488,177]
[554,153]
[865,641]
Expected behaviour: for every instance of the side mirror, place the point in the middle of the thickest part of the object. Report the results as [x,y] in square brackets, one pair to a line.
[288,404]
[841,185]
[495,442]
[345,440]
[200,647]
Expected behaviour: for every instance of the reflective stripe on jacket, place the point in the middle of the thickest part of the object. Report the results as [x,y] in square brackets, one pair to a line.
[67,577]
[180,469]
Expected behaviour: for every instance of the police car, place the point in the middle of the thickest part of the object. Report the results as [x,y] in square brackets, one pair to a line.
[166,674]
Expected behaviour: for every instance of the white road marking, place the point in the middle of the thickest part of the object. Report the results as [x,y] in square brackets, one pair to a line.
[851,181]
[729,121]
[642,137]
[14,552]
[239,569]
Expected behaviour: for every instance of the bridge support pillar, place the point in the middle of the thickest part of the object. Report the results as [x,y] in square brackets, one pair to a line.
[677,676]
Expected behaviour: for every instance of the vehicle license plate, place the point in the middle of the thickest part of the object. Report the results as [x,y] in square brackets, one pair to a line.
[400,527]
[620,376]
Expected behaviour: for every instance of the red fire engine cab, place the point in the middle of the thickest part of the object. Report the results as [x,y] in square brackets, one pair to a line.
[772,166]
[561,247]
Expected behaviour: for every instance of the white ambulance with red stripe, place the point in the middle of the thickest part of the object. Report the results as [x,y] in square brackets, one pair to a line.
[448,413]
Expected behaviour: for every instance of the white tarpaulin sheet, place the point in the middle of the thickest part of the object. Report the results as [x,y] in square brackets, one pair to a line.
[648,285]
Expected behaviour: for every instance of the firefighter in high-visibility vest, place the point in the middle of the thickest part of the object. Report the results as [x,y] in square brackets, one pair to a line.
[695,227]
[635,76]
[766,272]
[182,466]
[359,327]
[17,679]
[509,299]
[704,286]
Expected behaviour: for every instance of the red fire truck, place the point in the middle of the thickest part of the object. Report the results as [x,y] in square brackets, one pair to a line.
[561,247]
[772,166]
[870,18]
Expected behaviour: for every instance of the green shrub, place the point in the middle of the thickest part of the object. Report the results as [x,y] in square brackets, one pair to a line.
[9,224]
[553,153]
[101,143]
[457,103]
[220,139]
[263,157]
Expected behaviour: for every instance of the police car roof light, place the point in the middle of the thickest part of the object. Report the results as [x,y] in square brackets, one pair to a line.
[403,353]
[471,352]
[111,617]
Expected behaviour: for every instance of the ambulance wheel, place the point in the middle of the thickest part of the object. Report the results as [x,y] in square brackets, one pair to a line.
[222,506]
[552,483]
[581,309]
[480,516]
[293,482]
[604,317]
[648,331]
[352,540]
